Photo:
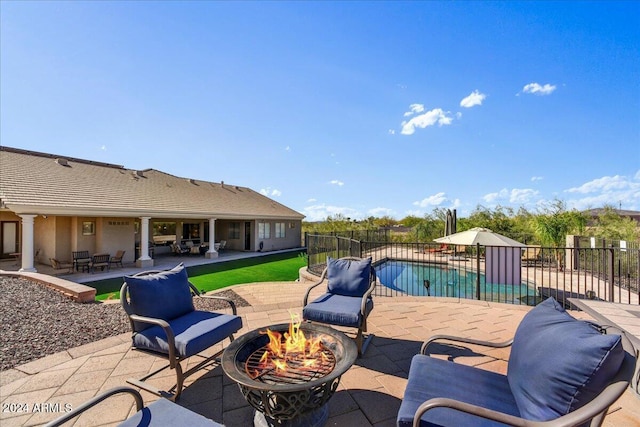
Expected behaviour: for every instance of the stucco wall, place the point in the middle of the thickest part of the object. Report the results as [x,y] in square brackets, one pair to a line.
[113,234]
[291,239]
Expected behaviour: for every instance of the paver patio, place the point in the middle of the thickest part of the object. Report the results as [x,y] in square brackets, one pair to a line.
[369,393]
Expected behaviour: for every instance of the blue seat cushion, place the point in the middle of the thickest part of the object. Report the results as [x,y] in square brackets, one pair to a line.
[163,413]
[430,377]
[337,310]
[165,295]
[348,277]
[558,364]
[194,332]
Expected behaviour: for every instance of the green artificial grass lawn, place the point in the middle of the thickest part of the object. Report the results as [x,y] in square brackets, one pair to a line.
[208,277]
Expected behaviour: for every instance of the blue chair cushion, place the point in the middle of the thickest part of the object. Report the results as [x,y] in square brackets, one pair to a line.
[163,413]
[558,364]
[348,277]
[165,295]
[430,377]
[337,310]
[194,332]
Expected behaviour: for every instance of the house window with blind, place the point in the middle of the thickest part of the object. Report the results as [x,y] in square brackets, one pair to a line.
[264,230]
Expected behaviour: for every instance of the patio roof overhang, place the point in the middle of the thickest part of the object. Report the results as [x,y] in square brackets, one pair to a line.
[89,211]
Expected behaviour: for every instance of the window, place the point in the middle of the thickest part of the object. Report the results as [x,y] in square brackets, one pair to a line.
[234,230]
[280,230]
[264,230]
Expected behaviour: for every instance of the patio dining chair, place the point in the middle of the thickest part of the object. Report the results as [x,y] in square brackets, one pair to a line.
[81,260]
[117,259]
[347,301]
[160,413]
[165,323]
[100,261]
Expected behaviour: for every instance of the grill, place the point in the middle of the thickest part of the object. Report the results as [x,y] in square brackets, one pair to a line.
[298,395]
[296,372]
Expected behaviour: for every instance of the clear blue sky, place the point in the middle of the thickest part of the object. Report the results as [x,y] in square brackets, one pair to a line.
[358,108]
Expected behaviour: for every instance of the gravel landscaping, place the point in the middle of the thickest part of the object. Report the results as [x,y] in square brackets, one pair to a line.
[36,321]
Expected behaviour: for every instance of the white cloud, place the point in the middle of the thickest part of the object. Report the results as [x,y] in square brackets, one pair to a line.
[536,178]
[538,89]
[492,197]
[287,148]
[475,98]
[270,193]
[103,148]
[321,212]
[520,196]
[392,132]
[311,200]
[435,200]
[606,183]
[336,182]
[414,109]
[430,118]
[609,190]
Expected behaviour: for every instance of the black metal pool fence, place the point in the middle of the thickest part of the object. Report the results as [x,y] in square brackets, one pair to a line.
[583,271]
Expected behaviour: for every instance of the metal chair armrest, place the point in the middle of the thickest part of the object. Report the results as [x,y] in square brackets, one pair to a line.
[306,295]
[171,338]
[491,344]
[221,298]
[97,399]
[442,402]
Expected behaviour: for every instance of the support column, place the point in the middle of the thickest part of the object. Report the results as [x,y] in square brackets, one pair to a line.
[212,253]
[145,260]
[27,243]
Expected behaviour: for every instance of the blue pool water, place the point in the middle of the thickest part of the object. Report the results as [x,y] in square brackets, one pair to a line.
[409,278]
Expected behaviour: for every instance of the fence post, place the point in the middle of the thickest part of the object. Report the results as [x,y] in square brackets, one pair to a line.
[611,274]
[478,270]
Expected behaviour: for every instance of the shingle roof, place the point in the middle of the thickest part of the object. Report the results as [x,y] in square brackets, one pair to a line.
[32,182]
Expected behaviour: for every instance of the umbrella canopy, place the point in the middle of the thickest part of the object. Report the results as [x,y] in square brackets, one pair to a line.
[484,236]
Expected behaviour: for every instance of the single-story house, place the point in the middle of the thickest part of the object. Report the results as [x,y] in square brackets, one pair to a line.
[51,206]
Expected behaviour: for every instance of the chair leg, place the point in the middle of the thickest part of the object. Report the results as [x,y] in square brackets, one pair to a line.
[362,341]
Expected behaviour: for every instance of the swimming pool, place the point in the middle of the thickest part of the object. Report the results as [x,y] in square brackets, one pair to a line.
[420,279]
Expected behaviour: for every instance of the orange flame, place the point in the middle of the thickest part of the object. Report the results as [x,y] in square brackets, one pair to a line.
[292,347]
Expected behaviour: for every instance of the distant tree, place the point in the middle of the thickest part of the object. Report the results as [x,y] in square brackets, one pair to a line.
[554,223]
[609,224]
[410,221]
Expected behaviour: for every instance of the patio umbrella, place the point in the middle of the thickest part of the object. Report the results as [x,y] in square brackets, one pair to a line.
[450,223]
[483,236]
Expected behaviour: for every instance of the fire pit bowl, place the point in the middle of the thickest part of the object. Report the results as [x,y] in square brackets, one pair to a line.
[297,397]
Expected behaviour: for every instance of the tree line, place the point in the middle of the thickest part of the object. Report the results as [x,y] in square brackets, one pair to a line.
[547,226]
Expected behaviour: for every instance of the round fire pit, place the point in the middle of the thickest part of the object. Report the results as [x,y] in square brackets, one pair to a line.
[298,395]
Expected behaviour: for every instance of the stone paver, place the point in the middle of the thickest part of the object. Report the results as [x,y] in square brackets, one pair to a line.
[369,394]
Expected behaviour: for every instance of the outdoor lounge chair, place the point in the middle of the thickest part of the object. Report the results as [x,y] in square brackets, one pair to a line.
[179,249]
[530,254]
[165,323]
[61,265]
[160,413]
[348,301]
[117,259]
[561,372]
[81,260]
[99,261]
